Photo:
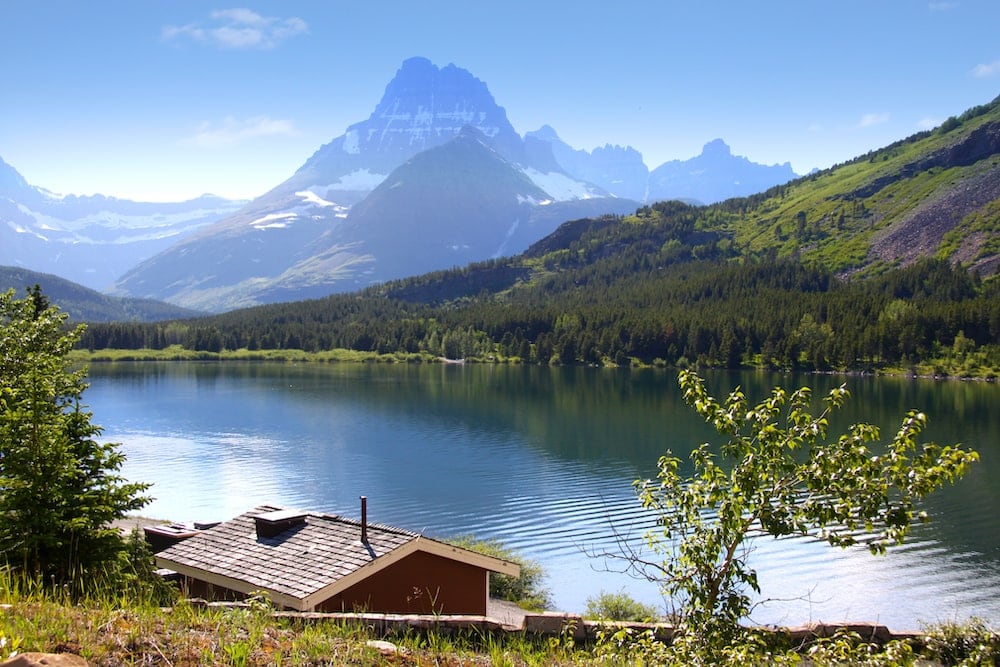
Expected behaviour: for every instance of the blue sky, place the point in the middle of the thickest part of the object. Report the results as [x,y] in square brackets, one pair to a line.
[158,100]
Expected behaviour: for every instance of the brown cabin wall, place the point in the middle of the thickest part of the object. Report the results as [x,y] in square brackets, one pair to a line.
[420,583]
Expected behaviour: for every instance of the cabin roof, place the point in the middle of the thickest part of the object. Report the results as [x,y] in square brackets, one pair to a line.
[310,558]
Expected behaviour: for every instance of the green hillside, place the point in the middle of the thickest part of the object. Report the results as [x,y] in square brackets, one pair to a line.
[87,305]
[935,194]
[886,261]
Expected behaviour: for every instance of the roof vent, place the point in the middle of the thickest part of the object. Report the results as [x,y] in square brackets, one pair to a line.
[160,537]
[272,524]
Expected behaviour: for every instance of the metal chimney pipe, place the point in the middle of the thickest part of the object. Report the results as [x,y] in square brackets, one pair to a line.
[364,520]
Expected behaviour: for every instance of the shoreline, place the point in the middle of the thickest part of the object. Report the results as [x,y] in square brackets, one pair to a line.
[111,356]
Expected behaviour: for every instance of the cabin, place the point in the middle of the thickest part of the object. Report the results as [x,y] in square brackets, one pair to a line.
[310,561]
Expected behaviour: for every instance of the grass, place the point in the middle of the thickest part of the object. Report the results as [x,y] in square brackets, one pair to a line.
[192,635]
[106,629]
[841,222]
[178,353]
[981,363]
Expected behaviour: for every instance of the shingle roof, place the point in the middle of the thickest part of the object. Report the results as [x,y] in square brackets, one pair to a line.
[301,560]
[296,562]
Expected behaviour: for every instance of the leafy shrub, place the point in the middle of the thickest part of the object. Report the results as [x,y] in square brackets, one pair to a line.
[777,473]
[971,643]
[619,607]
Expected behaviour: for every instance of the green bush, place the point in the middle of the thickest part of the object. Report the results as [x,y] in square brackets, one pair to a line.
[619,607]
[970,643]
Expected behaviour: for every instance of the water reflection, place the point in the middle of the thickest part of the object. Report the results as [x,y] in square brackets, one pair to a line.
[542,458]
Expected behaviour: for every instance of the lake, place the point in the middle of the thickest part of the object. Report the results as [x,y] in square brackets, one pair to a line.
[542,459]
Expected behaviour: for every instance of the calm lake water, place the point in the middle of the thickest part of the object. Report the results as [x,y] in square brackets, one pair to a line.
[542,459]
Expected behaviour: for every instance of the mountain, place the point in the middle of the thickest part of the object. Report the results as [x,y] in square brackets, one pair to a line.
[91,240]
[932,196]
[423,106]
[218,254]
[463,202]
[83,304]
[619,170]
[434,178]
[714,176]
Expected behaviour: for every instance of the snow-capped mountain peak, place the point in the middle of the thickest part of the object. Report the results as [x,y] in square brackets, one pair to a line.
[91,240]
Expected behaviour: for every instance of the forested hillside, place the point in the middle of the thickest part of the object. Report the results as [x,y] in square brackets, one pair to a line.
[772,313]
[888,260]
[84,304]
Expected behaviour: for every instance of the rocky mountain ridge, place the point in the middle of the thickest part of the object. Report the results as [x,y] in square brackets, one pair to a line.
[944,210]
[92,240]
[489,191]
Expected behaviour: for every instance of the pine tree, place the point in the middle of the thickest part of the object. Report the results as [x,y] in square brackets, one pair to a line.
[60,489]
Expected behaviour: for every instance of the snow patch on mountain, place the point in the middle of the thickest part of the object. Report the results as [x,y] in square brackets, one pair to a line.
[48,194]
[273,221]
[351,142]
[531,201]
[423,117]
[18,229]
[171,223]
[500,251]
[459,116]
[314,198]
[560,186]
[359,179]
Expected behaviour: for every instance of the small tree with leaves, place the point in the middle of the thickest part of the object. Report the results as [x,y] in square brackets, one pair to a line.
[777,474]
[60,489]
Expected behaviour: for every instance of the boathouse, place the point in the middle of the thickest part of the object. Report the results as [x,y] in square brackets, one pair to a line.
[309,561]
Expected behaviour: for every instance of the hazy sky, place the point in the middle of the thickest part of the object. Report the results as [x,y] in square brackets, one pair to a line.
[166,100]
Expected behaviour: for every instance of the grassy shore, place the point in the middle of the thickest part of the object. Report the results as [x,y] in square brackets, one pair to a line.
[112,629]
[178,353]
[979,366]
